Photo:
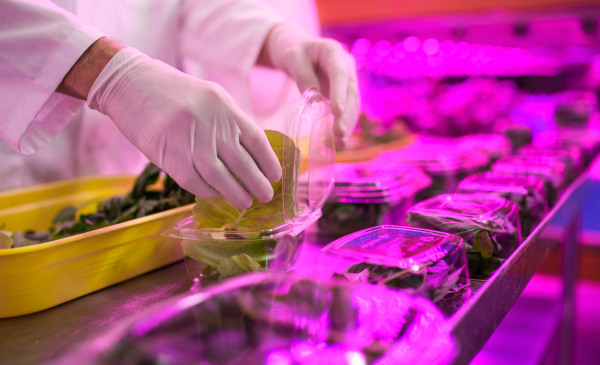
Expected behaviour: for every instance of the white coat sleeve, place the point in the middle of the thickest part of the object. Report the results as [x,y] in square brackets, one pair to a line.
[39,43]
[227,34]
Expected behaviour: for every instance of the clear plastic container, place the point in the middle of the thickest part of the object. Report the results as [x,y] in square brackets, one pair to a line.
[261,244]
[527,191]
[444,161]
[574,107]
[572,157]
[417,261]
[549,169]
[367,194]
[489,225]
[587,139]
[278,318]
[494,146]
[518,135]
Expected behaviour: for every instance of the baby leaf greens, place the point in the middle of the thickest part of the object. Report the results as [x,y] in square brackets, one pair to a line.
[231,240]
[140,202]
[220,214]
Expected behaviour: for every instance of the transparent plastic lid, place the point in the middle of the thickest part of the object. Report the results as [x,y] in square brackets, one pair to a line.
[308,158]
[310,115]
[438,157]
[549,168]
[469,206]
[272,318]
[573,155]
[376,182]
[395,246]
[500,182]
[494,145]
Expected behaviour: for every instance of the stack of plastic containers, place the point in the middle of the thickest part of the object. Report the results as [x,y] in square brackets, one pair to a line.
[494,146]
[489,225]
[549,169]
[526,191]
[420,262]
[367,194]
[586,139]
[213,253]
[279,318]
[571,157]
[443,161]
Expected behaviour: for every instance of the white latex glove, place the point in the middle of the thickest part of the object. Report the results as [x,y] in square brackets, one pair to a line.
[190,128]
[323,64]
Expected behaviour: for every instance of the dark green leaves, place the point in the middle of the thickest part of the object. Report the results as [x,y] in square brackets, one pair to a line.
[140,202]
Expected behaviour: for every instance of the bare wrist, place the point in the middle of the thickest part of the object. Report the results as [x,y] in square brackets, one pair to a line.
[80,78]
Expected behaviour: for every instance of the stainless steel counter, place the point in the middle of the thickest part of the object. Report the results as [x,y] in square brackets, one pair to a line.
[39,337]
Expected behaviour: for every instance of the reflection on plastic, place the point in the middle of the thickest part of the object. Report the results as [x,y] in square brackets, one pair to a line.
[279,319]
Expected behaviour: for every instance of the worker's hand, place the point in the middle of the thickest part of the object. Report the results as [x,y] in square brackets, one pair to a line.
[190,128]
[321,63]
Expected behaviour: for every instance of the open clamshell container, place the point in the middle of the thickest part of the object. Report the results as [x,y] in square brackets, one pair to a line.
[527,191]
[278,318]
[572,157]
[367,194]
[420,262]
[489,225]
[549,169]
[494,146]
[444,162]
[211,253]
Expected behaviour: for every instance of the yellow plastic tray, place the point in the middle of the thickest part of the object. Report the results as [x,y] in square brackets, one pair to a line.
[38,277]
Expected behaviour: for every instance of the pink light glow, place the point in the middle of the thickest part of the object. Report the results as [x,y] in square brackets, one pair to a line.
[431,46]
[361,47]
[447,47]
[462,49]
[412,44]
[431,58]
[382,48]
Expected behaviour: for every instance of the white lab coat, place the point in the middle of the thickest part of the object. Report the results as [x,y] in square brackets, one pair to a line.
[39,42]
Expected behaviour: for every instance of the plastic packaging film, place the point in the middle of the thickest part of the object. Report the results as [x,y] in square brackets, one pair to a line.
[419,262]
[279,318]
[443,161]
[488,224]
[527,191]
[220,241]
[367,194]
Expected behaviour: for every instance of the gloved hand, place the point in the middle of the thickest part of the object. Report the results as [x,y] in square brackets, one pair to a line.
[323,64]
[190,128]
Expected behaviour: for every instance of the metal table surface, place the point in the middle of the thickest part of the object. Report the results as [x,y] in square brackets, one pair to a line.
[42,336]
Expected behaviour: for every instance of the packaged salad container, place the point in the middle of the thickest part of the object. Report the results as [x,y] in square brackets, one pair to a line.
[443,161]
[489,225]
[367,194]
[494,146]
[420,262]
[549,169]
[278,318]
[586,139]
[572,157]
[527,191]
[518,135]
[220,241]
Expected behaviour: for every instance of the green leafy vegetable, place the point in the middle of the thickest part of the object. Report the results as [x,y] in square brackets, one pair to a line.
[439,282]
[219,214]
[236,265]
[6,241]
[140,202]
